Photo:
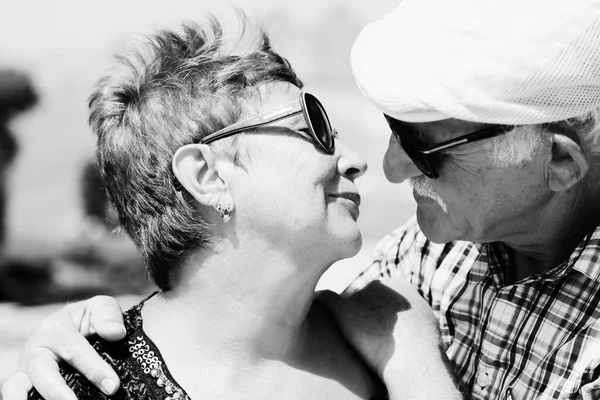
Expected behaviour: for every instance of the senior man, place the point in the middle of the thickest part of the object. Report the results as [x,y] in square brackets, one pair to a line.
[494,108]
[494,112]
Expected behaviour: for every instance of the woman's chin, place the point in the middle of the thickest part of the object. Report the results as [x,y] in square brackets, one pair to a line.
[352,245]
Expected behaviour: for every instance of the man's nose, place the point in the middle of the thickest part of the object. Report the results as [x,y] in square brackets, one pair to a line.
[397,166]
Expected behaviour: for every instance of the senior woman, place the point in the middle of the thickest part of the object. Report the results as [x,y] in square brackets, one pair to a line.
[228,178]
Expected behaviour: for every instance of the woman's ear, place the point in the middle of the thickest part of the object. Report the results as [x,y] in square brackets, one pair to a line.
[568,164]
[196,169]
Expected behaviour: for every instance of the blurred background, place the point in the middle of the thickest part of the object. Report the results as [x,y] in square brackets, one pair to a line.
[57,230]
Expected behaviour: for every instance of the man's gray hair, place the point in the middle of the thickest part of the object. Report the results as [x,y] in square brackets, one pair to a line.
[518,146]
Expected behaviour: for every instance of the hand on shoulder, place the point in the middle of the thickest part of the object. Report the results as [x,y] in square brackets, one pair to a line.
[61,337]
[396,333]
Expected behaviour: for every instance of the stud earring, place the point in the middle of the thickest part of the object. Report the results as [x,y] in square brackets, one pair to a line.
[225,212]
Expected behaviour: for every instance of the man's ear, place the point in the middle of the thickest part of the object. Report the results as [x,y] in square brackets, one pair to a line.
[568,164]
[196,169]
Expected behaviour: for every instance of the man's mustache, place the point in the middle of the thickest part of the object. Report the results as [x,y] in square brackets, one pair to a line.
[421,186]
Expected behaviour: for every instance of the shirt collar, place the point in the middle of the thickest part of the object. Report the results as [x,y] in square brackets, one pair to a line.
[586,256]
[584,259]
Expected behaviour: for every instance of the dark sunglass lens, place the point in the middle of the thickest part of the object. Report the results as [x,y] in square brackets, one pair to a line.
[319,120]
[418,159]
[403,137]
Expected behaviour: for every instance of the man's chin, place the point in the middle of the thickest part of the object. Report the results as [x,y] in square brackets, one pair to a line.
[435,225]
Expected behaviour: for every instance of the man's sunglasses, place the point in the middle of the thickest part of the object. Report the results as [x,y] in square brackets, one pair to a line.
[422,156]
[308,105]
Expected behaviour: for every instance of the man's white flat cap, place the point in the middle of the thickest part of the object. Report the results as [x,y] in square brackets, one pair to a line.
[494,61]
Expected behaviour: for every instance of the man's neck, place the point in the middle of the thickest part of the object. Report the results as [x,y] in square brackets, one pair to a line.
[553,239]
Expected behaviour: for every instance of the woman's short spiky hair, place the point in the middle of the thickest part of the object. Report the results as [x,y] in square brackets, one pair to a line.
[176,87]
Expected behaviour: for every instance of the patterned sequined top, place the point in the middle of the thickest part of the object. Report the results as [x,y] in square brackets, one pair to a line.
[138,363]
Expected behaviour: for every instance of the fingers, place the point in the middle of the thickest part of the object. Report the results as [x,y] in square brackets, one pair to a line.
[102,315]
[60,337]
[44,374]
[15,387]
[591,391]
[78,352]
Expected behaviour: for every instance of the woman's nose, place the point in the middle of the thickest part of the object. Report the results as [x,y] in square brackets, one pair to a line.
[350,163]
[397,166]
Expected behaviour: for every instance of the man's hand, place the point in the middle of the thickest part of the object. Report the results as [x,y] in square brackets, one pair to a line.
[396,333]
[61,336]
[591,391]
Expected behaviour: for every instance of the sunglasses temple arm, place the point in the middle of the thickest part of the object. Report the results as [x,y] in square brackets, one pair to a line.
[233,129]
[488,133]
[444,146]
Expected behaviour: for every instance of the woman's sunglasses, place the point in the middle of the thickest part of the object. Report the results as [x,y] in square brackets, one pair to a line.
[422,156]
[308,105]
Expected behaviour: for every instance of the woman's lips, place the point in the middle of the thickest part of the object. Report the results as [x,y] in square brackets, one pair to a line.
[352,196]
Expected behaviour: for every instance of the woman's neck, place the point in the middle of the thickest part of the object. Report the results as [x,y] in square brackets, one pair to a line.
[242,306]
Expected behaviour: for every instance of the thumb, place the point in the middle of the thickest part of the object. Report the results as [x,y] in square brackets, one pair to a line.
[104,317]
[590,394]
[15,387]
[591,391]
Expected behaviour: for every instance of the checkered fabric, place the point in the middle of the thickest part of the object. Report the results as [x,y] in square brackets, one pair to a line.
[538,338]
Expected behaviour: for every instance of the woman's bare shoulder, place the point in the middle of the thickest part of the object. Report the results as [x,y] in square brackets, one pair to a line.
[329,355]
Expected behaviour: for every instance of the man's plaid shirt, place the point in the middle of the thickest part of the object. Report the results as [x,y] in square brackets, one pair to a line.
[538,338]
